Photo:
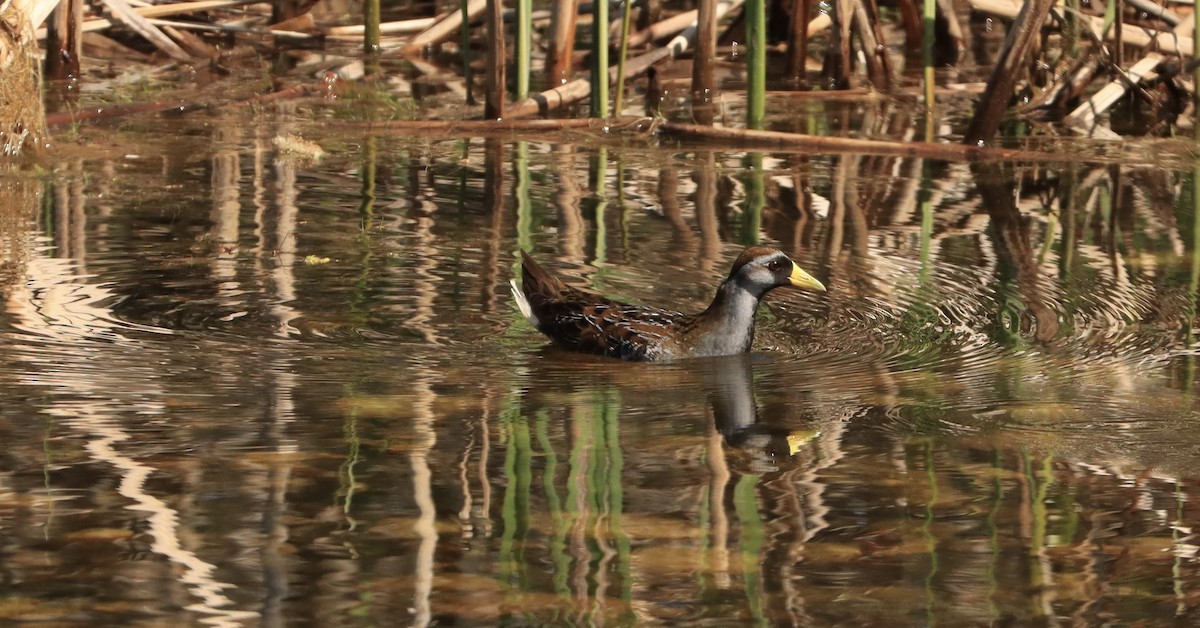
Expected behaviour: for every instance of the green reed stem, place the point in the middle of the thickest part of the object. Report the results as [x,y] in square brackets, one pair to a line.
[927,42]
[371,18]
[599,100]
[756,63]
[620,95]
[1196,72]
[524,44]
[1110,16]
[1073,28]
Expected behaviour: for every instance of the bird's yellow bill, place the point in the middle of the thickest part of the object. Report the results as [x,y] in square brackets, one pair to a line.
[799,438]
[801,279]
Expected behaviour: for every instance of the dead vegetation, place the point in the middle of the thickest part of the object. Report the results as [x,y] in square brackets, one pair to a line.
[1061,68]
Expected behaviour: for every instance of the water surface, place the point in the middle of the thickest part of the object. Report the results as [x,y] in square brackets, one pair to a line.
[240,387]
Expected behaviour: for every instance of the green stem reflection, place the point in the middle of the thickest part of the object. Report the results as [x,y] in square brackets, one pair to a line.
[521,192]
[745,501]
[755,199]
[515,507]
[927,532]
[756,59]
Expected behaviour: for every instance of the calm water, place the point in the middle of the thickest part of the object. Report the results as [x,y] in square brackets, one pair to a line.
[239,387]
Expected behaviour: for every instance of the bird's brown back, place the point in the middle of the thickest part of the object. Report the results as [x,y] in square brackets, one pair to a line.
[583,321]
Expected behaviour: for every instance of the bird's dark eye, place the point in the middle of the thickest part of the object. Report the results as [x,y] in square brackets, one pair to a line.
[774,265]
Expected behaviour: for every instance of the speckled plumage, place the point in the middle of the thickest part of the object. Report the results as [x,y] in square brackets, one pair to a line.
[590,323]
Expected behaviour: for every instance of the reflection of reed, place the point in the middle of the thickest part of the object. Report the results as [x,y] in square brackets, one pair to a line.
[283,276]
[598,182]
[282,379]
[705,202]
[718,484]
[281,383]
[493,204]
[226,207]
[70,220]
[683,250]
[426,524]
[579,504]
[164,524]
[92,384]
[1013,241]
[20,198]
[427,258]
[566,200]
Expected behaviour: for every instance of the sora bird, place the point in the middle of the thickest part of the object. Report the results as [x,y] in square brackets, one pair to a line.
[586,322]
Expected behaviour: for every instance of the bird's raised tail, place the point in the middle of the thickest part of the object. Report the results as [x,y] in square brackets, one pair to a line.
[534,281]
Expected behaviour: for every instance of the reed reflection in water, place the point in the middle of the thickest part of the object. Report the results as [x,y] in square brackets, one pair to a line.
[265,390]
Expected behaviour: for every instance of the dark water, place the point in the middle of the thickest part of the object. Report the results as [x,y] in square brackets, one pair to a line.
[240,387]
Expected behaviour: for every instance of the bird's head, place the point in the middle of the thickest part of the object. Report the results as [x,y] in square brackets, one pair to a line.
[760,269]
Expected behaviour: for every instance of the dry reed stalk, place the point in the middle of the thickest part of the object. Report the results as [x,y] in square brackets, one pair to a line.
[1026,28]
[161,10]
[1084,116]
[953,28]
[22,113]
[109,112]
[445,28]
[401,27]
[866,22]
[746,139]
[577,90]
[1162,41]
[493,97]
[230,28]
[798,42]
[913,24]
[703,60]
[139,24]
[562,42]
[837,57]
[488,128]
[64,40]
[665,28]
[195,47]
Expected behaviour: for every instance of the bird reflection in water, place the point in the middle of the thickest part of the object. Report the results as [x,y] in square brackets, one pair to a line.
[671,391]
[728,383]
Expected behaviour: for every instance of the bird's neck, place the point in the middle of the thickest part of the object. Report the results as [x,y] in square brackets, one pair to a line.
[728,323]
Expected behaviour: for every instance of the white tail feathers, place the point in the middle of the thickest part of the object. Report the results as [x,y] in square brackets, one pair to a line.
[522,302]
